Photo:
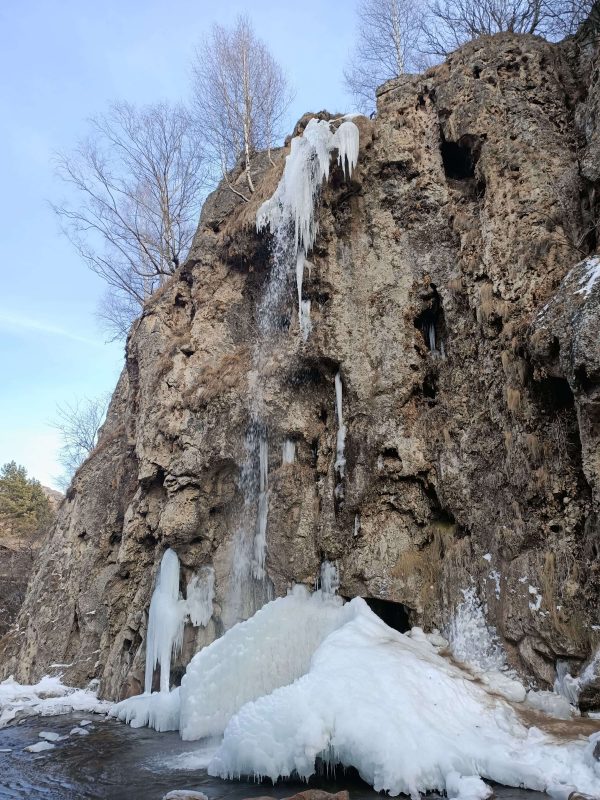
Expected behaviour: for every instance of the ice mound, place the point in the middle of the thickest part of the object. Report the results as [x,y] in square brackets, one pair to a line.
[47,698]
[159,710]
[269,650]
[408,719]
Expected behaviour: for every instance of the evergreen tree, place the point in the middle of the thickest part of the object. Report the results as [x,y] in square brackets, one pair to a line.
[24,507]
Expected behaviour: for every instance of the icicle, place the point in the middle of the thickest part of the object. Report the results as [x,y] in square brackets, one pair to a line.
[293,202]
[347,142]
[260,539]
[200,595]
[289,452]
[356,524]
[300,259]
[431,337]
[165,622]
[340,461]
[330,579]
[305,323]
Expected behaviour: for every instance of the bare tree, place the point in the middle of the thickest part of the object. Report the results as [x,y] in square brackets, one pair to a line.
[78,424]
[451,23]
[241,96]
[387,45]
[397,36]
[139,178]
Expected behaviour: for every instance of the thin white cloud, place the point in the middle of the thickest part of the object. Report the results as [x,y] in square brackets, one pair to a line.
[16,323]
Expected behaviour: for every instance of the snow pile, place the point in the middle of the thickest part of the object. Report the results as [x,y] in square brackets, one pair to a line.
[292,206]
[47,698]
[271,649]
[408,719]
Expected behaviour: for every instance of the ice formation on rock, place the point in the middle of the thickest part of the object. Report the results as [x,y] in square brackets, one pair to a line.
[292,206]
[472,640]
[416,722]
[591,268]
[288,453]
[570,687]
[330,579]
[271,649]
[165,622]
[199,595]
[340,461]
[260,537]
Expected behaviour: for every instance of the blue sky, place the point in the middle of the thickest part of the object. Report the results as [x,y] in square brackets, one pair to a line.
[61,62]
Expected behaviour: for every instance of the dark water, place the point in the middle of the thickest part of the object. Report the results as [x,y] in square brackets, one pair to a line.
[116,762]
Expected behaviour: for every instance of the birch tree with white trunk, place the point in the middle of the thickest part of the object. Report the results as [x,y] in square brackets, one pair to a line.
[241,96]
[387,45]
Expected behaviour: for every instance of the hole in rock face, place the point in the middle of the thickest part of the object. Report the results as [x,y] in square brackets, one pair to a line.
[431,322]
[393,614]
[459,158]
[555,394]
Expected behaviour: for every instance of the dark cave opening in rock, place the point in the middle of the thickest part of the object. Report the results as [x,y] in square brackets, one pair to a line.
[460,158]
[395,615]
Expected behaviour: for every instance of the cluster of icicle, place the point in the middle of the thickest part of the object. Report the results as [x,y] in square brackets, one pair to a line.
[291,209]
[167,616]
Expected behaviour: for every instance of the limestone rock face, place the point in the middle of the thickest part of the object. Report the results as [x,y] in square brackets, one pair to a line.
[442,292]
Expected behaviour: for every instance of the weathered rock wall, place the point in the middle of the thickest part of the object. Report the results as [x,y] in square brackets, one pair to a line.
[476,462]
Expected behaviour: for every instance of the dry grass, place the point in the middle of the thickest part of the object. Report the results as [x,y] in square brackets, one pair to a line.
[426,564]
[455,285]
[513,399]
[559,570]
[534,448]
[216,379]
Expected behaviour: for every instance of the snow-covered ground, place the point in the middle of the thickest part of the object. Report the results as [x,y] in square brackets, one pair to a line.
[47,698]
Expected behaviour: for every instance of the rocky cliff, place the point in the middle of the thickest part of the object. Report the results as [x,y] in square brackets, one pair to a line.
[443,292]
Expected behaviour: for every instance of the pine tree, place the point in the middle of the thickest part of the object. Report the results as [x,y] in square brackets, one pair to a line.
[24,507]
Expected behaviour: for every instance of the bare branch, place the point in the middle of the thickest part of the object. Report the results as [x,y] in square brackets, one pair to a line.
[78,424]
[139,180]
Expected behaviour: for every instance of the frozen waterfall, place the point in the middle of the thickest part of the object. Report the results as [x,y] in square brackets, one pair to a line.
[260,538]
[310,677]
[290,214]
[290,211]
[165,622]
[167,616]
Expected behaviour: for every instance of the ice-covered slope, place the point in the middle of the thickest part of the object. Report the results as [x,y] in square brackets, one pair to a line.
[309,677]
[406,717]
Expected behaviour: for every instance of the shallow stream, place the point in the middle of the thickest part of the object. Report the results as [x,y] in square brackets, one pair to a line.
[116,762]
